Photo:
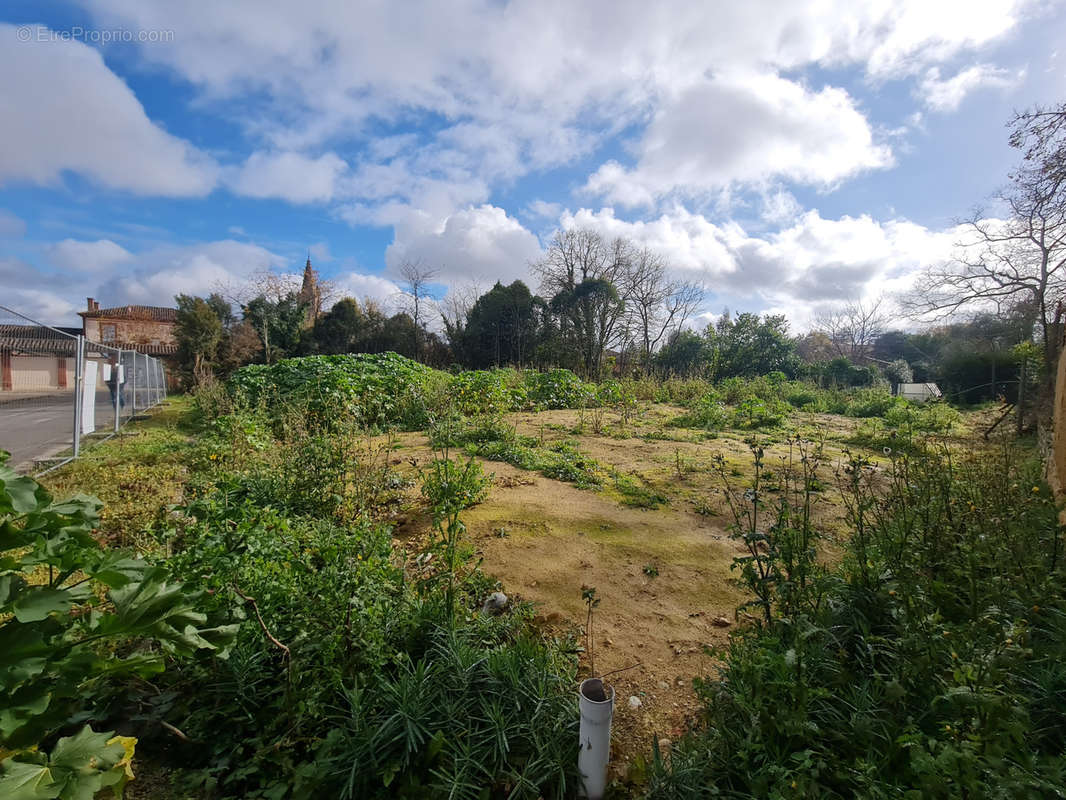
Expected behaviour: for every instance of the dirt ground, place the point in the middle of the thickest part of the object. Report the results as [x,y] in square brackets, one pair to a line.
[662,575]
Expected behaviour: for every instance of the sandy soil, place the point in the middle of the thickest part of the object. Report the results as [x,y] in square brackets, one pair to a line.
[545,540]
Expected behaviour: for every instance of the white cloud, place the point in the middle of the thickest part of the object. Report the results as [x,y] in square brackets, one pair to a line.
[813,262]
[541,209]
[288,176]
[479,244]
[11,226]
[362,286]
[947,94]
[744,129]
[79,256]
[509,88]
[199,269]
[63,109]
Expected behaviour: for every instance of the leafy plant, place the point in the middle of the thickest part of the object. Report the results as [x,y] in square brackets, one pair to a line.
[75,616]
[929,663]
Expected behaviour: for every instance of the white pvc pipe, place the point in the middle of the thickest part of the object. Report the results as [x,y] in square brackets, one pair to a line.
[597,709]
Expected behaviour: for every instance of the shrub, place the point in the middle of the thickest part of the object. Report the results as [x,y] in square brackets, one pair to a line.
[73,617]
[929,663]
[871,403]
[558,388]
[350,669]
[707,412]
[376,389]
[488,391]
[755,413]
[450,487]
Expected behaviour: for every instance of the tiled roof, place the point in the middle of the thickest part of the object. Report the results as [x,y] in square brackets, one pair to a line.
[153,313]
[35,339]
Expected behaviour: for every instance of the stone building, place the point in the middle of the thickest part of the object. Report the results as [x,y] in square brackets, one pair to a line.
[146,329]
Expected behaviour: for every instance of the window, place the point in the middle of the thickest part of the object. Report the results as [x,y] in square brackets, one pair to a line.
[107,333]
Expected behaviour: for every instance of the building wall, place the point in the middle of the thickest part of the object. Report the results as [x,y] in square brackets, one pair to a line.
[41,373]
[130,331]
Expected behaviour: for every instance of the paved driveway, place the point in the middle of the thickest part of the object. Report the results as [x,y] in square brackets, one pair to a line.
[40,426]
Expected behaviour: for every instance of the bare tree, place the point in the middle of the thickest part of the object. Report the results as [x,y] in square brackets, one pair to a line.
[1001,264]
[585,277]
[456,305]
[656,305]
[416,278]
[274,286]
[853,328]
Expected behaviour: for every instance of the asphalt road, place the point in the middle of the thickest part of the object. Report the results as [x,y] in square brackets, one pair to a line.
[40,427]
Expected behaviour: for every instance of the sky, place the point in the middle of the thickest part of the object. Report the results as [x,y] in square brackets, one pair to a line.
[788,156]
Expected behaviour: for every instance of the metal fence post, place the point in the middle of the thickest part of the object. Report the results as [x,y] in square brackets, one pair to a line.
[79,371]
[133,391]
[116,371]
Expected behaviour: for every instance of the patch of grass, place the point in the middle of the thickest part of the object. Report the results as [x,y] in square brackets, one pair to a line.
[637,493]
[136,474]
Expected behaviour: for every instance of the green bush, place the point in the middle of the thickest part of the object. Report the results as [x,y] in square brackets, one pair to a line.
[488,391]
[450,487]
[755,413]
[559,388]
[706,412]
[377,389]
[930,663]
[75,616]
[871,403]
[348,675]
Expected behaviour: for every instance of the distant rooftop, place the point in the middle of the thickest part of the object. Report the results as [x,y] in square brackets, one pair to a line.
[153,313]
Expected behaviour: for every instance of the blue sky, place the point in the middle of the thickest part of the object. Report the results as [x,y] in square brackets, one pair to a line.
[789,157]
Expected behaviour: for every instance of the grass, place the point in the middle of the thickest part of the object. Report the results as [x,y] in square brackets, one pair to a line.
[136,474]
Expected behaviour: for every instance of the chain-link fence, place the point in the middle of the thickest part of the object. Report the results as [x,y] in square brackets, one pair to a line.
[60,393]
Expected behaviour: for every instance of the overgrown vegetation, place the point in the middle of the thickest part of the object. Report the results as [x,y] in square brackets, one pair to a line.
[929,663]
[343,659]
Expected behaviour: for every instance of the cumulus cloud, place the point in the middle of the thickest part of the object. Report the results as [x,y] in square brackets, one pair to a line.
[813,262]
[63,109]
[475,245]
[510,88]
[947,94]
[288,176]
[362,286]
[746,129]
[163,272]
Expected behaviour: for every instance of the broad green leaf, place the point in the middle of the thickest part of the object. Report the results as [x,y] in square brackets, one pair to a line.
[10,586]
[15,714]
[117,569]
[37,603]
[79,763]
[21,781]
[23,652]
[20,494]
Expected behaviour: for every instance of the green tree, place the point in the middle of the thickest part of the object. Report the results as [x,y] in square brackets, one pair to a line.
[751,345]
[198,331]
[500,328]
[278,323]
[685,353]
[342,329]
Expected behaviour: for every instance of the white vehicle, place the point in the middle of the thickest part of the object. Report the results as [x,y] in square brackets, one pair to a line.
[918,392]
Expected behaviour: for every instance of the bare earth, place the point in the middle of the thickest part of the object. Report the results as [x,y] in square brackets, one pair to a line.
[545,540]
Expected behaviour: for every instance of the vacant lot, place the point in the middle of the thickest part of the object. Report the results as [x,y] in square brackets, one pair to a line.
[660,562]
